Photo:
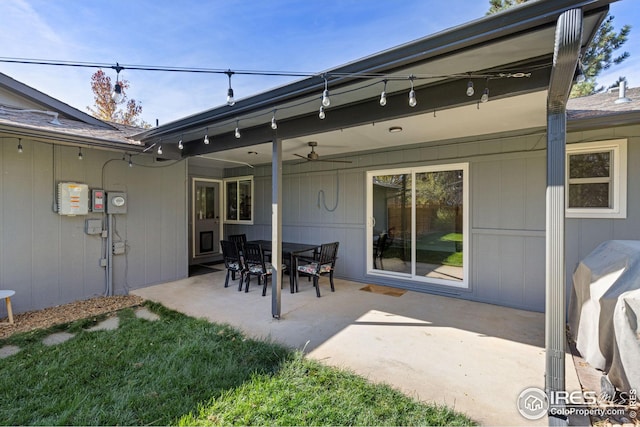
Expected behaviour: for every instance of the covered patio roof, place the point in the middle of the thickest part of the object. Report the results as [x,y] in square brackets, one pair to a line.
[511,53]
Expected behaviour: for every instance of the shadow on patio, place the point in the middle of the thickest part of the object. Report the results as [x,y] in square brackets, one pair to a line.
[471,356]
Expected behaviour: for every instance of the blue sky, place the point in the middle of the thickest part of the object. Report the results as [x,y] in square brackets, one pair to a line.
[281,35]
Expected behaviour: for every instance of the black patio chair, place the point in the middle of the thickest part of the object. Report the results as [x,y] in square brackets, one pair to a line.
[378,249]
[322,263]
[232,261]
[239,240]
[257,265]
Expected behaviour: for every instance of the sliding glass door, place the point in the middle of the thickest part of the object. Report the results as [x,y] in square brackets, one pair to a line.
[417,226]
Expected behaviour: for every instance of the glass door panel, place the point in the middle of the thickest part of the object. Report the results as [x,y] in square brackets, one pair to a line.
[418,218]
[392,230]
[439,224]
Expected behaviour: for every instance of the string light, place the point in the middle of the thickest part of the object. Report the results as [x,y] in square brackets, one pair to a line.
[412,93]
[130,161]
[470,90]
[383,95]
[326,102]
[485,94]
[20,145]
[206,137]
[230,100]
[80,153]
[160,148]
[325,94]
[117,94]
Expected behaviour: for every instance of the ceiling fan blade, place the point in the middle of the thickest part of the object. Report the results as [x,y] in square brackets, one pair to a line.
[335,161]
[302,157]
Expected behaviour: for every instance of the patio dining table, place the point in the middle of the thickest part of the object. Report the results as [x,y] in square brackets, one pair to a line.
[290,250]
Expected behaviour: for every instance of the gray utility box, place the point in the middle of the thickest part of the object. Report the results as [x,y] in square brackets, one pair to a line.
[116,202]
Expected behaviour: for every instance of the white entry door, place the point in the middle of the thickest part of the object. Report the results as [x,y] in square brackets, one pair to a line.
[205,212]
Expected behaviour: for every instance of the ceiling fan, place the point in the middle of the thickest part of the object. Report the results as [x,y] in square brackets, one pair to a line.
[314,157]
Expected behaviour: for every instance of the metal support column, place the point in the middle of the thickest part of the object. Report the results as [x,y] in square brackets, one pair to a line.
[566,53]
[276,227]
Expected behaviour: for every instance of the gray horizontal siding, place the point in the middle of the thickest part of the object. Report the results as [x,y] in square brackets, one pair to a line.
[507,224]
[49,260]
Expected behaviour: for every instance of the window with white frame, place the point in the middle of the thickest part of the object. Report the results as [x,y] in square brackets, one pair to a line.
[596,185]
[238,200]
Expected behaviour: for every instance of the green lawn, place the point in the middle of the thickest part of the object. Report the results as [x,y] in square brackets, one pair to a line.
[186,371]
[440,248]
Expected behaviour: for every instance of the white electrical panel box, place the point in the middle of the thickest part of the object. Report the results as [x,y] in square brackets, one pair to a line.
[73,198]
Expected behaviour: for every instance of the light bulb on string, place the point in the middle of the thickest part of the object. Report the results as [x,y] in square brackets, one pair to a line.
[117,96]
[180,146]
[470,90]
[130,161]
[237,132]
[321,113]
[80,153]
[412,94]
[20,145]
[325,94]
[230,99]
[206,137]
[383,95]
[274,124]
[160,149]
[485,94]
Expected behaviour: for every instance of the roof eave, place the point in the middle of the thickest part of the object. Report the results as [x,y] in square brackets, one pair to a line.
[40,98]
[516,20]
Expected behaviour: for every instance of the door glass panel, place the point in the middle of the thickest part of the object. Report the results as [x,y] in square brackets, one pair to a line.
[418,223]
[392,230]
[439,224]
[205,202]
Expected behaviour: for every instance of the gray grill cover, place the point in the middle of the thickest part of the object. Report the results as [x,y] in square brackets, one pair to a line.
[604,310]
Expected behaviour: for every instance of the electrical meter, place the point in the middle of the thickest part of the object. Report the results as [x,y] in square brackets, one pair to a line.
[116,202]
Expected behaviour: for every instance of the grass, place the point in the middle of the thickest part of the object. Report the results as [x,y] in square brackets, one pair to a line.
[181,370]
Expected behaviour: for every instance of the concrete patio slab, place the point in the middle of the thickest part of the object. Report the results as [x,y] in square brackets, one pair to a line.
[474,357]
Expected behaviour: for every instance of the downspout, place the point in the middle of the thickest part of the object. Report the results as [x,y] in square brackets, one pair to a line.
[568,41]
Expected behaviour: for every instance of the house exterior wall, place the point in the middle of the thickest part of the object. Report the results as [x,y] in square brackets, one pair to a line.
[48,259]
[507,212]
[583,235]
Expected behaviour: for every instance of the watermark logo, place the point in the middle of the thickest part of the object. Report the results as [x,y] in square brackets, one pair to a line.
[533,403]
